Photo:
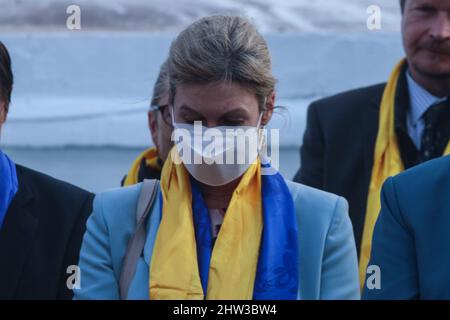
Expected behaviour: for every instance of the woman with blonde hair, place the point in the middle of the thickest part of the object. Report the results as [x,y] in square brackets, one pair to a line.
[233,230]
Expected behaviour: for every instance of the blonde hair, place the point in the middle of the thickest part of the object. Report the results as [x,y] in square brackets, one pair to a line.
[221,48]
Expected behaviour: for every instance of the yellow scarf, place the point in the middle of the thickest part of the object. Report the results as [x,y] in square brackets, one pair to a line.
[151,160]
[174,273]
[387,162]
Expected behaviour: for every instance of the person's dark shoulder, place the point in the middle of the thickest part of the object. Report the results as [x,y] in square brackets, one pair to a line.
[420,192]
[430,178]
[349,102]
[54,193]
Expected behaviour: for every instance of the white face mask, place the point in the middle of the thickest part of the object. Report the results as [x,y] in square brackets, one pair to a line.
[219,155]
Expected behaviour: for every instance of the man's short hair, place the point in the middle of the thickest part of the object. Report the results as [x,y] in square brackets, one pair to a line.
[402,5]
[6,76]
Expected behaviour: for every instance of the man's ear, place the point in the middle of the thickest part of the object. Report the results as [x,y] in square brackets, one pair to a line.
[269,107]
[153,126]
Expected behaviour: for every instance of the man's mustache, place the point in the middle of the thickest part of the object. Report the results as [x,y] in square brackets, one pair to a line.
[437,46]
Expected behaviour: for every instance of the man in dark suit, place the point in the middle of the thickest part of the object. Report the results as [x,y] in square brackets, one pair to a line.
[338,149]
[42,221]
[411,243]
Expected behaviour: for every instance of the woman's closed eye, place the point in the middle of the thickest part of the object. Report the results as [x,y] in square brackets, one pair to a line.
[233,122]
[191,117]
[192,120]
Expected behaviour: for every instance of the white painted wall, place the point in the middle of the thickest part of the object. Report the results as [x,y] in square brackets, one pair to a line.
[93,89]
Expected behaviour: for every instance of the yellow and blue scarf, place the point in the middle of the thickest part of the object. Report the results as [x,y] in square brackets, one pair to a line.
[255,255]
[8,184]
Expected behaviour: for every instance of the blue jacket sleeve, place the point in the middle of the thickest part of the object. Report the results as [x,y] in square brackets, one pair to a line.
[392,251]
[98,280]
[339,279]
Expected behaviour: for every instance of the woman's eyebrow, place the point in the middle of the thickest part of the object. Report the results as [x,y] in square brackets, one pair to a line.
[186,109]
[236,112]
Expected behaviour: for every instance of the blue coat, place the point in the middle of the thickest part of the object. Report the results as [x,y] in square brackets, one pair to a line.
[327,255]
[411,241]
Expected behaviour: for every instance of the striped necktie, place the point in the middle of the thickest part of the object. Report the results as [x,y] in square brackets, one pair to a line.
[436,132]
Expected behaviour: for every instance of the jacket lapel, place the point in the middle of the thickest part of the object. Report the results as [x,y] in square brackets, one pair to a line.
[16,239]
[371,130]
[372,119]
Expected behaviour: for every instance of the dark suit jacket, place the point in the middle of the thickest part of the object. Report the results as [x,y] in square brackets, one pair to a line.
[41,236]
[411,242]
[339,142]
